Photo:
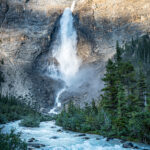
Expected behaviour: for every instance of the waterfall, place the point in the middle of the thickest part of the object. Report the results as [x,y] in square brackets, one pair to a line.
[65,53]
[73,5]
[57,102]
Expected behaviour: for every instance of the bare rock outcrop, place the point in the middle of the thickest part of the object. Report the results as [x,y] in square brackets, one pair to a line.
[27,29]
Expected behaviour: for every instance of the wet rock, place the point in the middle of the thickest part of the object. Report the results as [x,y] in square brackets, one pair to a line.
[36,145]
[59,130]
[128,145]
[31,140]
[108,139]
[53,127]
[122,141]
[82,134]
[136,147]
[54,137]
[97,138]
[86,138]
[30,148]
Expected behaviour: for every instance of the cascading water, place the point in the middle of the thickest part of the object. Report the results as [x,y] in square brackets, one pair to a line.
[73,5]
[57,102]
[65,54]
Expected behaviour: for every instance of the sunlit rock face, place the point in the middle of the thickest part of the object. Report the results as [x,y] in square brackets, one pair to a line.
[28,29]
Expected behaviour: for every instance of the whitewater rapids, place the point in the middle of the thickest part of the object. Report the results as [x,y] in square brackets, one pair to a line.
[55,138]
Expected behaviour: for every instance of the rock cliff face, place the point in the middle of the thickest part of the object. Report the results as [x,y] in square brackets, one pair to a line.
[28,27]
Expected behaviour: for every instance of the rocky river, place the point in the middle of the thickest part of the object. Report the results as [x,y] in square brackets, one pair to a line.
[51,137]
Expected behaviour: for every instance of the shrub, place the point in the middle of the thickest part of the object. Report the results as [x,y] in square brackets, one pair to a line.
[11,141]
[30,121]
[46,118]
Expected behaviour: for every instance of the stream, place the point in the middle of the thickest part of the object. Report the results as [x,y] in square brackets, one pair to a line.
[51,137]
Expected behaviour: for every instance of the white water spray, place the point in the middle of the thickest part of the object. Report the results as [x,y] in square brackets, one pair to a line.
[57,102]
[66,53]
[73,5]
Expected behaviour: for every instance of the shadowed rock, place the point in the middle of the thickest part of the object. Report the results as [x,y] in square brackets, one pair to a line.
[54,137]
[59,130]
[36,145]
[86,138]
[28,30]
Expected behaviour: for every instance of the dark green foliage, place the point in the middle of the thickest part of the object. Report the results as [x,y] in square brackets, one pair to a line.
[30,121]
[78,120]
[33,120]
[124,108]
[11,141]
[46,118]
[110,90]
[139,49]
[118,52]
[94,108]
[142,90]
[11,110]
[138,52]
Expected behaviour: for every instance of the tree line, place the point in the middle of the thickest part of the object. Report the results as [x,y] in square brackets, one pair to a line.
[123,110]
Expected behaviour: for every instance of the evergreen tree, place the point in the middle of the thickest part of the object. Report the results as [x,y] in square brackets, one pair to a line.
[87,109]
[71,108]
[118,52]
[120,120]
[142,93]
[94,108]
[121,97]
[124,109]
[148,103]
[110,90]
[127,76]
